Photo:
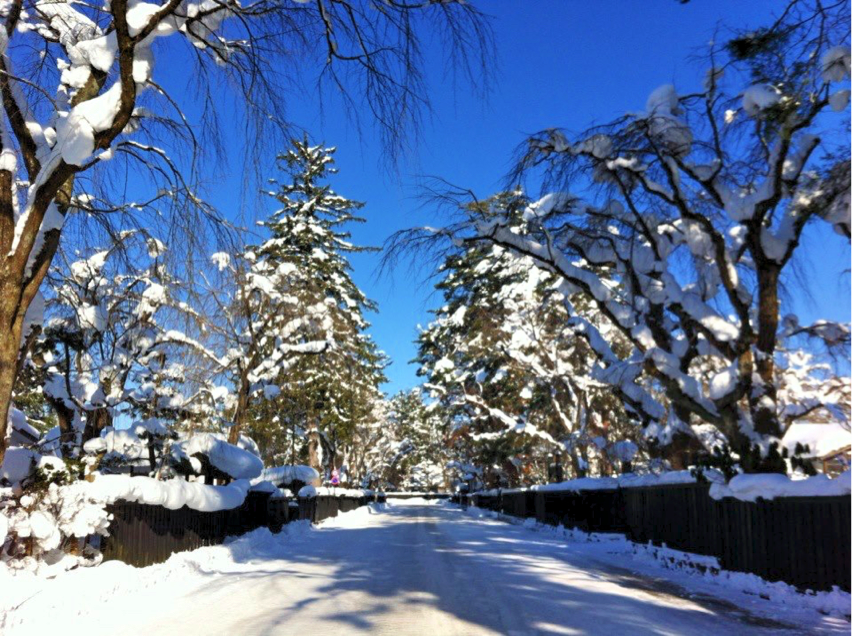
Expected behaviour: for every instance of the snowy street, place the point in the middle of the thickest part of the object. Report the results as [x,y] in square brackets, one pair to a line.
[408,568]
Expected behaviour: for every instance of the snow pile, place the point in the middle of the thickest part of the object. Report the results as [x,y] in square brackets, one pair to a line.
[629,480]
[308,491]
[340,492]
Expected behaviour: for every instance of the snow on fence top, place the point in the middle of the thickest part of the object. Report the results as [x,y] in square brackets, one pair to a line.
[751,486]
[172,494]
[287,474]
[265,486]
[310,491]
[626,481]
[746,487]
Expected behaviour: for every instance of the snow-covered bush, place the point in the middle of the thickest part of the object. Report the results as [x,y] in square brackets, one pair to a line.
[214,458]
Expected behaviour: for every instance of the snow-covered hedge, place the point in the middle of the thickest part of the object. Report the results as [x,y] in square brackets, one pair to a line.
[38,530]
[172,494]
[227,458]
[288,474]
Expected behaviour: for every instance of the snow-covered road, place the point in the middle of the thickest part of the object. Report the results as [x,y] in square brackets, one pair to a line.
[409,568]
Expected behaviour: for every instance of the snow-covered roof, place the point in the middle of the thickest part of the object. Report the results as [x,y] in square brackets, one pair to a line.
[823,438]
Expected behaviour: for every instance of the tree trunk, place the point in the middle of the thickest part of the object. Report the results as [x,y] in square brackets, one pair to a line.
[240,412]
[680,449]
[96,421]
[10,340]
[763,406]
[314,446]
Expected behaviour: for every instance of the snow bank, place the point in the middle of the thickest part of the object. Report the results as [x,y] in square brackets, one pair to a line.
[700,574]
[751,486]
[172,494]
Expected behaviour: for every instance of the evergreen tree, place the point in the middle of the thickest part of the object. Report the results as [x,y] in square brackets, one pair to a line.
[504,359]
[333,390]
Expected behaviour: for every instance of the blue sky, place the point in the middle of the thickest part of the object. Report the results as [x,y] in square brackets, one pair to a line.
[566,63]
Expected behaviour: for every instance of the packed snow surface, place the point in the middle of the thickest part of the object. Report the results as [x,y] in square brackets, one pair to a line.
[411,568]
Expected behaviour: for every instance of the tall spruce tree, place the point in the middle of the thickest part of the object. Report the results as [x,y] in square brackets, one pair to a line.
[333,390]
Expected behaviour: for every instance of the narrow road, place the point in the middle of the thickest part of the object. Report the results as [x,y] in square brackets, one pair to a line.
[429,570]
[409,569]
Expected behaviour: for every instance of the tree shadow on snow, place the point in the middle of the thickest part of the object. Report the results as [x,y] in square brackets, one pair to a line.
[496,577]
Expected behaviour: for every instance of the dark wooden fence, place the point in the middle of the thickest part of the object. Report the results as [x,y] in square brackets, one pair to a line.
[804,541]
[143,534]
[323,507]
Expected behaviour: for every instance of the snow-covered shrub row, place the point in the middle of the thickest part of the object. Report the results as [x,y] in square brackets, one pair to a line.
[288,474]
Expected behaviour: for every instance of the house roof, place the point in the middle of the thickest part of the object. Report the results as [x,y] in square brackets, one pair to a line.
[824,439]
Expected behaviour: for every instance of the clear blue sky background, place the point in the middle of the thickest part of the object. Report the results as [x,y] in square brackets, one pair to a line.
[566,63]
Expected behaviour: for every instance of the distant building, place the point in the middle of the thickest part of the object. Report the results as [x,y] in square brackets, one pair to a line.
[830,444]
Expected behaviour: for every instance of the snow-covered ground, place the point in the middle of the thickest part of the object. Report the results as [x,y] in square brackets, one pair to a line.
[411,567]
